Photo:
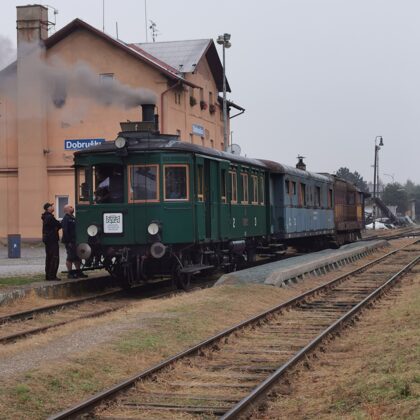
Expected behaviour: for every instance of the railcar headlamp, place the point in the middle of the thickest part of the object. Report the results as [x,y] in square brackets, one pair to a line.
[84,251]
[120,142]
[153,228]
[92,230]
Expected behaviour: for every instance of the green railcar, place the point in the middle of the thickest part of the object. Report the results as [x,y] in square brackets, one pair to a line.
[149,204]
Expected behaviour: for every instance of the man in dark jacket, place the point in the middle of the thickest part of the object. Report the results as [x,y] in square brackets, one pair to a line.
[69,240]
[50,228]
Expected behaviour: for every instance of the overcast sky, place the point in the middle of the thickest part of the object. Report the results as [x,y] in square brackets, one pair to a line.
[321,78]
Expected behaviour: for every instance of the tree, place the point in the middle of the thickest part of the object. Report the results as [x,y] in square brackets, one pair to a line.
[396,195]
[353,177]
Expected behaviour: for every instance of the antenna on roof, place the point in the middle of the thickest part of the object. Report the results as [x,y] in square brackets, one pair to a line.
[51,25]
[145,18]
[154,30]
[103,15]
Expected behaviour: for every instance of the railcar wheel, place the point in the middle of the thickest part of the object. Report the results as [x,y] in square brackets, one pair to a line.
[184,281]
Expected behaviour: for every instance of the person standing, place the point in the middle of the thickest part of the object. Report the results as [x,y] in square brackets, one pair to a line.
[68,225]
[50,228]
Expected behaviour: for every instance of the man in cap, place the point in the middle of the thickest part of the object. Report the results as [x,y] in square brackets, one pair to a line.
[69,240]
[50,228]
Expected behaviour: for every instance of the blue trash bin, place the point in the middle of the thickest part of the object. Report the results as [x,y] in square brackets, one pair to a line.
[13,242]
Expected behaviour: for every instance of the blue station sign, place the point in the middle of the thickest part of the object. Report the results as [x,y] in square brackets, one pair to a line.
[198,129]
[80,144]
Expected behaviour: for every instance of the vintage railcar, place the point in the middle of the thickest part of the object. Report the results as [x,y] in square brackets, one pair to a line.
[149,204]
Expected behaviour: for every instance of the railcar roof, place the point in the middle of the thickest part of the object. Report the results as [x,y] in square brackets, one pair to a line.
[138,141]
[145,141]
[291,170]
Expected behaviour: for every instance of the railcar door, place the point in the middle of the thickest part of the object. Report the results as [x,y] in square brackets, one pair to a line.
[212,198]
[208,198]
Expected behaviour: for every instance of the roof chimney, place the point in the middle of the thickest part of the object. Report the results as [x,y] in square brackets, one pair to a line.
[31,23]
[301,165]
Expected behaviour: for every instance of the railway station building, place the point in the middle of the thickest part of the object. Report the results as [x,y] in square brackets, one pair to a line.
[70,90]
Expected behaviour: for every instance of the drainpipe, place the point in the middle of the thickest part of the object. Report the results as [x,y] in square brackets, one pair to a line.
[178,83]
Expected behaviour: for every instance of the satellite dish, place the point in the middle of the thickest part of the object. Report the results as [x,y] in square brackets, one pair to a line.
[235,149]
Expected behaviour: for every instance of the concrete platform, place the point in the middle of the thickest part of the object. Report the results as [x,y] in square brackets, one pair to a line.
[32,263]
[280,273]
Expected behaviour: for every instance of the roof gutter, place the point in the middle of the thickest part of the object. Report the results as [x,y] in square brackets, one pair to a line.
[178,83]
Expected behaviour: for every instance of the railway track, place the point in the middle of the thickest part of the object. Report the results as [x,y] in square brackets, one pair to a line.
[18,325]
[389,235]
[226,374]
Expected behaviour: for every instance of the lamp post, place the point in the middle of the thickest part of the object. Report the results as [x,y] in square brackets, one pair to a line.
[224,40]
[392,176]
[376,177]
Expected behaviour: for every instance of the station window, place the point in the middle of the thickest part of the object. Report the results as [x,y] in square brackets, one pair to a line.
[83,185]
[254,197]
[318,196]
[234,186]
[144,183]
[106,77]
[302,195]
[223,185]
[245,192]
[109,183]
[176,183]
[60,202]
[177,97]
[200,183]
[261,189]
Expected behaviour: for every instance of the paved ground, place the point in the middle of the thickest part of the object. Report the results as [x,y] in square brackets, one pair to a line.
[31,262]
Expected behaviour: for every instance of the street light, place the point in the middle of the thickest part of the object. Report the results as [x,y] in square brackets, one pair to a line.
[392,176]
[376,177]
[224,40]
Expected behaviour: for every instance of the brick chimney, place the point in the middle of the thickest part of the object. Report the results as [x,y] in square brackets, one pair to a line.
[31,23]
[32,28]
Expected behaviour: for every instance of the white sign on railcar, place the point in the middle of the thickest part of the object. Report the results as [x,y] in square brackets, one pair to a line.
[113,223]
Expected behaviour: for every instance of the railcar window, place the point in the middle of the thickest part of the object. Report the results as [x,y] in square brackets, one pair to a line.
[330,198]
[294,187]
[144,183]
[254,189]
[318,196]
[109,183]
[261,189]
[223,185]
[245,192]
[83,181]
[234,185]
[302,197]
[350,198]
[176,182]
[287,185]
[200,183]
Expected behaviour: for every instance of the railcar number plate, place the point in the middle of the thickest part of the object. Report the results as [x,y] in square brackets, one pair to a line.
[113,223]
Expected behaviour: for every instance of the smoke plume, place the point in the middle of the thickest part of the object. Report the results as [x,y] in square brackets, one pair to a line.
[7,52]
[61,81]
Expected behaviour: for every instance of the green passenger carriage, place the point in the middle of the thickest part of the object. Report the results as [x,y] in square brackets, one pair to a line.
[149,204]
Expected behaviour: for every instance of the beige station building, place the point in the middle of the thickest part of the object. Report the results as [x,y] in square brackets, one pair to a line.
[74,88]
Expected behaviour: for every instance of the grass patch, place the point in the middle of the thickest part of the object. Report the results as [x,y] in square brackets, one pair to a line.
[20,281]
[370,372]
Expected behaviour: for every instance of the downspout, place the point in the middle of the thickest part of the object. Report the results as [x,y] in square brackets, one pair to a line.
[178,83]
